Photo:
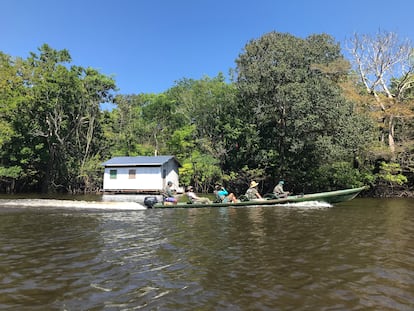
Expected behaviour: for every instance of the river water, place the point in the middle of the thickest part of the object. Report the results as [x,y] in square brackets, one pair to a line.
[357,255]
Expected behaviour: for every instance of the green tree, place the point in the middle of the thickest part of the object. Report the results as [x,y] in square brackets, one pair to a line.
[124,127]
[56,120]
[210,126]
[11,92]
[160,114]
[141,124]
[293,109]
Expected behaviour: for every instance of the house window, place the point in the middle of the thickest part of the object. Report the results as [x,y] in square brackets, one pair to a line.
[112,174]
[131,174]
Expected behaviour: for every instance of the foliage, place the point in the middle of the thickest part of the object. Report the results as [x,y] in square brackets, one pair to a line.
[384,66]
[295,111]
[391,173]
[10,172]
[339,175]
[8,177]
[200,170]
[91,175]
[240,180]
[54,114]
[294,106]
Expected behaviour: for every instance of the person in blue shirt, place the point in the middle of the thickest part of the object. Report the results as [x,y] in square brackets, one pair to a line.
[223,195]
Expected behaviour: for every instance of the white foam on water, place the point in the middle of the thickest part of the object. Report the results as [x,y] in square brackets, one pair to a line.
[52,203]
[309,205]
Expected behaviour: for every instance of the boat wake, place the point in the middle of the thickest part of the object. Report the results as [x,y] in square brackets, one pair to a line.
[309,205]
[306,205]
[71,204]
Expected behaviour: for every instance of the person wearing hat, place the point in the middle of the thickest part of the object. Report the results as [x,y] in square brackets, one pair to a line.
[278,190]
[169,193]
[195,198]
[252,193]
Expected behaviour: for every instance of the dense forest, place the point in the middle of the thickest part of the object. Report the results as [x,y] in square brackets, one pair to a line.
[292,108]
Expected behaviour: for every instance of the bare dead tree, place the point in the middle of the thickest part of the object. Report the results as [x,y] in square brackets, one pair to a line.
[379,60]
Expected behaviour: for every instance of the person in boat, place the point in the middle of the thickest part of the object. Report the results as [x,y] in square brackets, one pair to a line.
[278,190]
[223,196]
[168,193]
[252,193]
[195,198]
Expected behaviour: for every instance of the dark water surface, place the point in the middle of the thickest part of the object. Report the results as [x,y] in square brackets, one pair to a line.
[358,255]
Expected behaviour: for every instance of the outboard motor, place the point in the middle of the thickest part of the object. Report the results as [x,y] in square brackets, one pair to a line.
[150,201]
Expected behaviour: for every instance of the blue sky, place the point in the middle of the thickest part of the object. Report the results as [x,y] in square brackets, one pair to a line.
[148,45]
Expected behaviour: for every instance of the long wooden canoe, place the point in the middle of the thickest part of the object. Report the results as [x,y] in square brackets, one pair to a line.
[331,197]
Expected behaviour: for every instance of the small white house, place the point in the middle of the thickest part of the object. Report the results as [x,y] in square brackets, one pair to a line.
[141,174]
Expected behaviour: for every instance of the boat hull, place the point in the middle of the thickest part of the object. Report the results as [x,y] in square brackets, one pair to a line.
[331,197]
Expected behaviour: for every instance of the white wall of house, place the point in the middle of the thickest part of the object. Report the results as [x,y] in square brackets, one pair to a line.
[132,178]
[170,173]
[140,178]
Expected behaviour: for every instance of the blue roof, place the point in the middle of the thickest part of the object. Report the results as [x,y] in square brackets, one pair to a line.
[140,161]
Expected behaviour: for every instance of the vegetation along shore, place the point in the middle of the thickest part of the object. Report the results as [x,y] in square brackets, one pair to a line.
[305,110]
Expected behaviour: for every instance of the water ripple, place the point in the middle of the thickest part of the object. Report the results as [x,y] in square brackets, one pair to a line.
[358,257]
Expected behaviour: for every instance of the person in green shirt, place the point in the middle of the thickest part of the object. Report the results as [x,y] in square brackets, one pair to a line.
[278,190]
[169,193]
[252,193]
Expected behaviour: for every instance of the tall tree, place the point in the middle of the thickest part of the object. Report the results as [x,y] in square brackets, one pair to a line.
[208,104]
[11,92]
[210,125]
[378,60]
[56,120]
[141,124]
[293,109]
[95,90]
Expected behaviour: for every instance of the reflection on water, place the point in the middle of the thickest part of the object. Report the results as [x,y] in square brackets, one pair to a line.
[355,256]
[71,204]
